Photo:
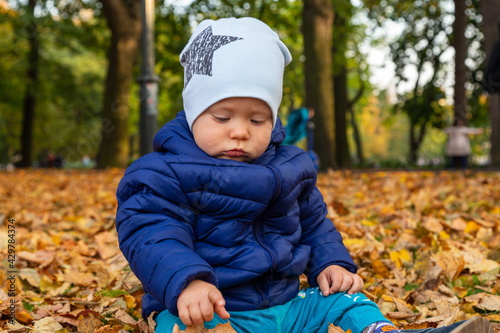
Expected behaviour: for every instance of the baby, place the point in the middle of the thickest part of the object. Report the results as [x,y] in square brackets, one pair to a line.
[221,220]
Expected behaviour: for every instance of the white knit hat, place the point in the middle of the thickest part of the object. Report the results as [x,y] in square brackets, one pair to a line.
[232,58]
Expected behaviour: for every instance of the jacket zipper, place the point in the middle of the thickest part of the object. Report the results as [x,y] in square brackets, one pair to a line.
[265,298]
[270,251]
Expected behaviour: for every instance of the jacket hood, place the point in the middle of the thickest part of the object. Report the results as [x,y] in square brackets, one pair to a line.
[176,138]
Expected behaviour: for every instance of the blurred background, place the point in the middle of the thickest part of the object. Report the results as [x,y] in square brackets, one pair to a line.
[385,77]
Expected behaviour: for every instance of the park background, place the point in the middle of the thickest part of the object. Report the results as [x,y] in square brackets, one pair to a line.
[427,242]
[382,76]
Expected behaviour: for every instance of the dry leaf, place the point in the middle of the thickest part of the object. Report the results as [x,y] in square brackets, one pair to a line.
[335,329]
[408,230]
[220,328]
[46,325]
[89,324]
[125,318]
[107,244]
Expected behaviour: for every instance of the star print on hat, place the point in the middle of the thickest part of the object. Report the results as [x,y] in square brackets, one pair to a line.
[198,57]
[232,58]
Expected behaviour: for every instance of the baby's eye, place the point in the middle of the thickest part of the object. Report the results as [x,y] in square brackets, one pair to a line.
[257,122]
[221,119]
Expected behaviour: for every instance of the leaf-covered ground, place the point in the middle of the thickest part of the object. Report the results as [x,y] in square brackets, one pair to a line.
[427,245]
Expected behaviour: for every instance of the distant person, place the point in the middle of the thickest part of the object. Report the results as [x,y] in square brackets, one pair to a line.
[492,73]
[458,146]
[54,160]
[86,161]
[299,126]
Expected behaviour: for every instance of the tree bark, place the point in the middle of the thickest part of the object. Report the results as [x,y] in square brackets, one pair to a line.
[344,160]
[460,45]
[29,102]
[415,141]
[355,129]
[124,20]
[357,137]
[317,31]
[490,11]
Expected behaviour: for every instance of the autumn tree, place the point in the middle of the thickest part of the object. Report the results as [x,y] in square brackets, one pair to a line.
[124,21]
[317,27]
[342,30]
[32,83]
[490,11]
[423,41]
[460,45]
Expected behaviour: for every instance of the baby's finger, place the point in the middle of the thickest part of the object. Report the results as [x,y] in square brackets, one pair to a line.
[357,285]
[337,283]
[219,303]
[185,317]
[222,312]
[195,315]
[207,310]
[323,284]
[346,283]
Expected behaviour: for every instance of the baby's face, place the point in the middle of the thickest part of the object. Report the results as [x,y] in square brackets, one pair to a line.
[236,128]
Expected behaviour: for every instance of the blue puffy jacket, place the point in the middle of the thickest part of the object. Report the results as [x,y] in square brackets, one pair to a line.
[251,229]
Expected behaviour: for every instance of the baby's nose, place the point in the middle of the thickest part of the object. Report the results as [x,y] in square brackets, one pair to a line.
[239,131]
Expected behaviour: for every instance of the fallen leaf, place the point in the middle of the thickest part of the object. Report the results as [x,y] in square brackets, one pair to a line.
[107,244]
[31,276]
[220,328]
[46,325]
[89,324]
[125,318]
[335,329]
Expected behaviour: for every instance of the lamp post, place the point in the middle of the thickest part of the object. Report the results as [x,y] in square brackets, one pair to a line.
[148,80]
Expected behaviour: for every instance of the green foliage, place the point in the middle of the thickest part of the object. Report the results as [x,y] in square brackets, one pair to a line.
[172,32]
[71,73]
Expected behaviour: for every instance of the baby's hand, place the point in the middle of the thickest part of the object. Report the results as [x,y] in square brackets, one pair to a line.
[337,279]
[198,301]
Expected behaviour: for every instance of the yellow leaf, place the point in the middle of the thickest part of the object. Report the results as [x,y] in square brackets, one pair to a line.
[46,284]
[130,301]
[493,317]
[405,255]
[23,316]
[380,268]
[387,210]
[401,257]
[56,239]
[444,235]
[395,258]
[471,227]
[368,223]
[387,298]
[461,292]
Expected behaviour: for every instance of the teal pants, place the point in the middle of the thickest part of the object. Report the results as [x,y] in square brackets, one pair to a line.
[308,312]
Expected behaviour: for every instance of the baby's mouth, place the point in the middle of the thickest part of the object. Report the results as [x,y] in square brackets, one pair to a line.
[235,152]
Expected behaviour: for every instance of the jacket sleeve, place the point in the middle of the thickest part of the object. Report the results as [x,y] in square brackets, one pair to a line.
[155,231]
[320,234]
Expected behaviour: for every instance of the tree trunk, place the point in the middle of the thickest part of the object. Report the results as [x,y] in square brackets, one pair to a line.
[344,160]
[123,19]
[491,28]
[357,138]
[317,31]
[415,141]
[29,102]
[460,46]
